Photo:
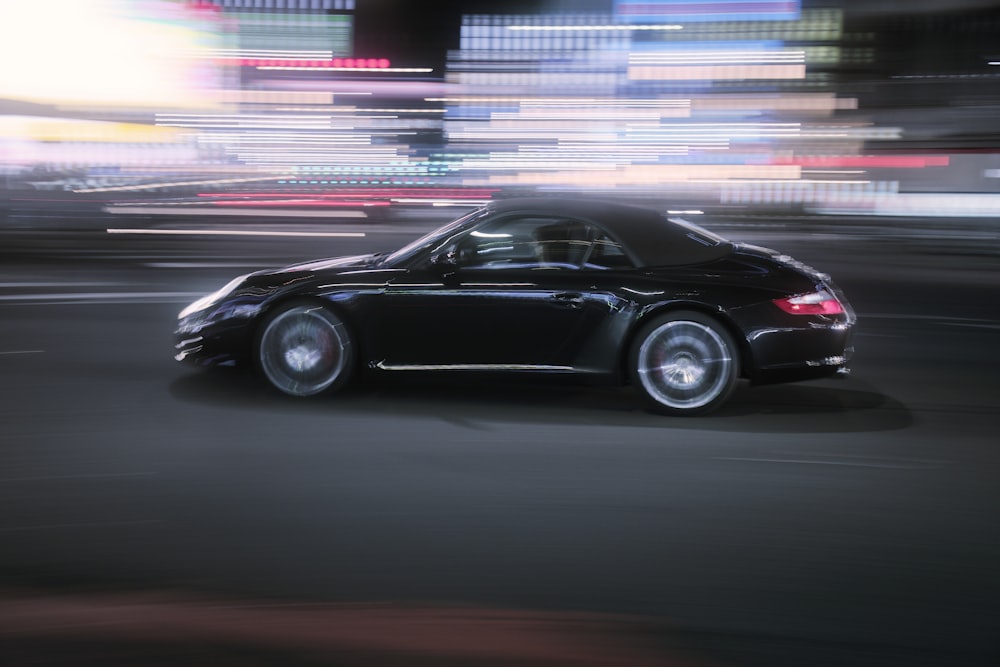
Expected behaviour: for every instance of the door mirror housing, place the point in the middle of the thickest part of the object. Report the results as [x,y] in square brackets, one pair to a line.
[446,260]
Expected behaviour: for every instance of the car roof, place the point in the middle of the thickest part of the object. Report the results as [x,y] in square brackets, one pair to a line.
[647,234]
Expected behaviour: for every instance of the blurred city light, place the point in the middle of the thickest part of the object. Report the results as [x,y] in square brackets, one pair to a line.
[685,102]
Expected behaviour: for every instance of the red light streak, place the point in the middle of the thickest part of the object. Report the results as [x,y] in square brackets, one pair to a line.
[338,63]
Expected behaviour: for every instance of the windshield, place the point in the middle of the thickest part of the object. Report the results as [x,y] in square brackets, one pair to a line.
[431,239]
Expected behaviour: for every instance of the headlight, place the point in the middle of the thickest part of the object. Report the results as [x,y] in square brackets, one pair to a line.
[213,298]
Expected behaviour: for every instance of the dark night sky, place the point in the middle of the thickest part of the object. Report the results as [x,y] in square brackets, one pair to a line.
[416,33]
[419,33]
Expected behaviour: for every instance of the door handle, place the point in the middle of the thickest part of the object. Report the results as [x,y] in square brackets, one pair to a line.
[568,299]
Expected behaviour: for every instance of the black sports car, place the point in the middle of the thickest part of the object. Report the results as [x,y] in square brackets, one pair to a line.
[603,290]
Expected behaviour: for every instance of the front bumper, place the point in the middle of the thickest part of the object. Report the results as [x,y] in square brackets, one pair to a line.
[204,341]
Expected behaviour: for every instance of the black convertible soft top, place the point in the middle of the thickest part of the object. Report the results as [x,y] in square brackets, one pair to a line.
[649,236]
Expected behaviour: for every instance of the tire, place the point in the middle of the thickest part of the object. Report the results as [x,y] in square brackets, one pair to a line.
[684,363]
[304,349]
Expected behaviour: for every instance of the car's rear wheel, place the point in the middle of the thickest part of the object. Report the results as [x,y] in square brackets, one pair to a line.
[305,349]
[684,363]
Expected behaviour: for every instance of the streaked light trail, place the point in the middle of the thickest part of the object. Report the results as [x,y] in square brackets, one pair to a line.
[233,232]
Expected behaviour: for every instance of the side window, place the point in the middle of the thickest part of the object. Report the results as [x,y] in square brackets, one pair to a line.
[563,243]
[607,254]
[533,242]
[539,242]
[504,243]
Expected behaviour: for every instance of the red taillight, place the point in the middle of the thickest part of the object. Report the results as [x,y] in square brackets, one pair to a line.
[814,303]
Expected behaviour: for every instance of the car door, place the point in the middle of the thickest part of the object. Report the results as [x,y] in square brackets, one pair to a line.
[511,296]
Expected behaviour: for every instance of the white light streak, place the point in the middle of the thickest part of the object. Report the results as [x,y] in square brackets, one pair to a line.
[753,181]
[153,186]
[91,296]
[698,72]
[326,140]
[315,108]
[272,54]
[487,235]
[611,115]
[834,171]
[610,26]
[441,202]
[404,110]
[241,116]
[257,96]
[232,232]
[574,102]
[269,133]
[516,134]
[710,57]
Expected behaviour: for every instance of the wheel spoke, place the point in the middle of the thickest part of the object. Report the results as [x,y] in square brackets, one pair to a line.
[303,350]
[684,364]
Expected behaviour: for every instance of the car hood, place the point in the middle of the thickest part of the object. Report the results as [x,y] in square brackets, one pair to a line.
[314,266]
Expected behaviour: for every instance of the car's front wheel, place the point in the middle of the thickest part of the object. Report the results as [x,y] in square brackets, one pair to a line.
[684,363]
[305,349]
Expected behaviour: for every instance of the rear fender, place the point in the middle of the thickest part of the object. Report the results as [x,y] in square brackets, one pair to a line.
[656,310]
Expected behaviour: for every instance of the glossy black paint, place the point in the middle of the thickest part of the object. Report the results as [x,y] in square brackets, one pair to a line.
[442,303]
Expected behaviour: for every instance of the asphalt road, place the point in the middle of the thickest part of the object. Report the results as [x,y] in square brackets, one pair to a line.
[154,514]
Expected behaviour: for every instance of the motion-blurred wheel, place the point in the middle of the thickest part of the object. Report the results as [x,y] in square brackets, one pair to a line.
[684,363]
[304,349]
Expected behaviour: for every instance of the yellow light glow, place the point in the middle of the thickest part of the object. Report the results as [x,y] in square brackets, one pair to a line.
[67,129]
[103,52]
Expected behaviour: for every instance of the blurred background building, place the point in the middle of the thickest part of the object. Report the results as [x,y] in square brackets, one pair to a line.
[344,108]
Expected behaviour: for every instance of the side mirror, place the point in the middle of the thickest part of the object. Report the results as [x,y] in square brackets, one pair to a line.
[446,260]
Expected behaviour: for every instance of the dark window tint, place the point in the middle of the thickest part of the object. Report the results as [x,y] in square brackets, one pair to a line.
[607,254]
[527,242]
